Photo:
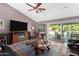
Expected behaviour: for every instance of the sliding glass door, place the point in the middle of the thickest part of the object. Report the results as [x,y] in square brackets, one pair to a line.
[70,30]
[63,31]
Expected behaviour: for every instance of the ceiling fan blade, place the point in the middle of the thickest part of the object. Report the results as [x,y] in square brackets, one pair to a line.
[41,8]
[30,5]
[30,9]
[38,5]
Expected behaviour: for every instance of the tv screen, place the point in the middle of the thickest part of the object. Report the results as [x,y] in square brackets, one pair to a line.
[17,26]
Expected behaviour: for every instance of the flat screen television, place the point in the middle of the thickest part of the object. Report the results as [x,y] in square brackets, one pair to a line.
[17,26]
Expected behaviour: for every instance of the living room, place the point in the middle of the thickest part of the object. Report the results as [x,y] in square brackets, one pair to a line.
[40,29]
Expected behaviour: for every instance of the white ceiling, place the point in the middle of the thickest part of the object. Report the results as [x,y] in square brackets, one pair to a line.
[53,10]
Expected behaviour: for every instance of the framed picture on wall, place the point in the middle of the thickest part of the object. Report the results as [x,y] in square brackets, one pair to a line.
[1,24]
[41,27]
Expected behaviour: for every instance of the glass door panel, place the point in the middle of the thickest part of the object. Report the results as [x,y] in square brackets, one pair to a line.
[65,32]
[54,32]
[70,30]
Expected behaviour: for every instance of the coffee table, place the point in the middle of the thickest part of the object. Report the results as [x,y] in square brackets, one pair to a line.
[41,48]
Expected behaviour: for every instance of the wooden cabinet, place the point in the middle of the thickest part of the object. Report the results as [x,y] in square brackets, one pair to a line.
[15,36]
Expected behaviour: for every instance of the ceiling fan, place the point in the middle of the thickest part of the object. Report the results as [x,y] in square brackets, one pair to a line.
[36,8]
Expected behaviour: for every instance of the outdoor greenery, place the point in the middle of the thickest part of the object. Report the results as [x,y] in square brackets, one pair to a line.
[71,27]
[66,27]
[54,27]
